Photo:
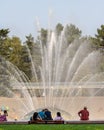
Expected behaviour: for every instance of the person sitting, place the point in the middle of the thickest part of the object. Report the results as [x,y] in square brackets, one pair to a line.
[35,117]
[58,117]
[42,114]
[84,114]
[48,115]
[4,116]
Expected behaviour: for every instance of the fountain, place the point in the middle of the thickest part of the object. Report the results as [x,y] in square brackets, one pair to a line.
[70,79]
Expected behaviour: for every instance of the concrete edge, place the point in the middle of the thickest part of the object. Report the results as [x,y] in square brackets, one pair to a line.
[65,122]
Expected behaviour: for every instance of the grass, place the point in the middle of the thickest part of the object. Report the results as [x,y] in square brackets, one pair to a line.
[53,127]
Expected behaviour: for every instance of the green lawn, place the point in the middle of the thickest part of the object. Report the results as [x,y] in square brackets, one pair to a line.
[53,127]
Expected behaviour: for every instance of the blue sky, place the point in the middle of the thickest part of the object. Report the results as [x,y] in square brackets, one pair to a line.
[20,15]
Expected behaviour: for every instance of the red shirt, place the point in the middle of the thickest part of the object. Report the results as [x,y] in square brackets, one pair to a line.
[84,115]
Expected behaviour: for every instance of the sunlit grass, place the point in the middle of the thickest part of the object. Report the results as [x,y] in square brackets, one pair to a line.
[53,127]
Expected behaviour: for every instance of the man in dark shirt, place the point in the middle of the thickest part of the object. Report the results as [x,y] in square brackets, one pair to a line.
[48,115]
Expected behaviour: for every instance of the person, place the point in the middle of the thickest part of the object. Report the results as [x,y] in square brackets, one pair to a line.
[35,117]
[58,117]
[42,114]
[48,115]
[84,114]
[4,116]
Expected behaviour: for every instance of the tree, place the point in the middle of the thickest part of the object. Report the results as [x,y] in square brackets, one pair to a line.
[4,33]
[72,32]
[27,51]
[43,35]
[25,64]
[4,76]
[36,57]
[15,51]
[98,41]
[31,57]
[3,44]
[59,28]
[29,42]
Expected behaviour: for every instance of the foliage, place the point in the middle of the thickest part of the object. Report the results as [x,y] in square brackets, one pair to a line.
[25,64]
[33,56]
[59,28]
[27,50]
[15,51]
[3,39]
[98,43]
[71,33]
[3,33]
[43,35]
[36,57]
[98,40]
[12,49]
[29,42]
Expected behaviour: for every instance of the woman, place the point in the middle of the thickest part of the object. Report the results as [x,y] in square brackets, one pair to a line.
[58,117]
[4,116]
[35,117]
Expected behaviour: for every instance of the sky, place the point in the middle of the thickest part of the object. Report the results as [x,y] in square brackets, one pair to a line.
[23,17]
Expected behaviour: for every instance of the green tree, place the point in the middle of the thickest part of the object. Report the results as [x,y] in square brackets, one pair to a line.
[3,42]
[29,42]
[98,40]
[72,32]
[4,33]
[98,43]
[32,58]
[4,76]
[43,35]
[59,28]
[25,64]
[15,51]
[27,52]
[36,57]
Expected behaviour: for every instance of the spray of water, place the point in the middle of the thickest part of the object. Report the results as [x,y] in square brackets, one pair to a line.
[69,77]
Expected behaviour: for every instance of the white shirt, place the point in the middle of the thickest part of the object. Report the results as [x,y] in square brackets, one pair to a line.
[58,118]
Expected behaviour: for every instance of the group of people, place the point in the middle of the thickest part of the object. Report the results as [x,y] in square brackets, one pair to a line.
[3,117]
[45,114]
